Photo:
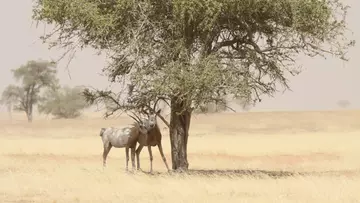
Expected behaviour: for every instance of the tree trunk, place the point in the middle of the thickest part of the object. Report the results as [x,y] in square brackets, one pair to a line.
[10,110]
[179,133]
[29,113]
[30,95]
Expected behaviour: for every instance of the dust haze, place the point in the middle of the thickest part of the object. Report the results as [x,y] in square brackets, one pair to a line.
[321,85]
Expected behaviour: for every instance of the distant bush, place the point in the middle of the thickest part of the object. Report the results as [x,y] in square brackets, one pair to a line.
[343,103]
[63,102]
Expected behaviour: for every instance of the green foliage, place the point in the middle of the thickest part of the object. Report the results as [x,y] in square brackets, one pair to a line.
[193,52]
[33,77]
[63,102]
[36,74]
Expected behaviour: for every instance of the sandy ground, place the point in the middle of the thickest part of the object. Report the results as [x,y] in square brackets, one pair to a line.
[243,157]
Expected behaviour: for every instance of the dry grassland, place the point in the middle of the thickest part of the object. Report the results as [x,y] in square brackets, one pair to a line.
[244,157]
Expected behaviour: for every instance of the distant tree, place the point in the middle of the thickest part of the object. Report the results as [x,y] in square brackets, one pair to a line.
[10,97]
[33,76]
[211,107]
[343,103]
[63,102]
[192,52]
[244,103]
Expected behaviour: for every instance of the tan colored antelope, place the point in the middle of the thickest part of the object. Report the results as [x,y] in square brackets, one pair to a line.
[126,137]
[152,139]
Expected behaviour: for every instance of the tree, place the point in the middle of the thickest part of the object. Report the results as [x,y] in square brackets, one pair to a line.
[211,107]
[34,76]
[9,97]
[63,102]
[192,52]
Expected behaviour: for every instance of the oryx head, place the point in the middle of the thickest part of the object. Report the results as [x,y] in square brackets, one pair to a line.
[148,116]
[143,123]
[152,118]
[151,114]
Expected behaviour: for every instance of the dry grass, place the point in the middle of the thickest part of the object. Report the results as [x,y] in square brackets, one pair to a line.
[249,157]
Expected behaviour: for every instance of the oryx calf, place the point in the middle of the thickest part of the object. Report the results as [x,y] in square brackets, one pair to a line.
[125,137]
[152,139]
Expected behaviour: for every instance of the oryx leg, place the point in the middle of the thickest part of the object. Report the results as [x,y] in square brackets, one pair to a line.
[138,150]
[163,156]
[151,158]
[127,158]
[133,157]
[107,147]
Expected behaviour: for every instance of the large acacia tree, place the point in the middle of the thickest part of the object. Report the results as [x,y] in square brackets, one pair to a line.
[191,52]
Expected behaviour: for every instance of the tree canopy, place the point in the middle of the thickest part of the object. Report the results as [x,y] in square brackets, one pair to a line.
[200,50]
[192,52]
[10,95]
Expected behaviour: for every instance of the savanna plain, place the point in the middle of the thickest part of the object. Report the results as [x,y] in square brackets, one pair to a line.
[234,157]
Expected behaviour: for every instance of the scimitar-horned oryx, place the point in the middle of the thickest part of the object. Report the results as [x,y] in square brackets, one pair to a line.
[126,137]
[152,139]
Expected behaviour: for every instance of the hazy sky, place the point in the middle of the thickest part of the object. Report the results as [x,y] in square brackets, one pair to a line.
[320,86]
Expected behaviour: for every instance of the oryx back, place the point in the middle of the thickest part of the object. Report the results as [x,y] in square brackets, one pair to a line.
[117,137]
